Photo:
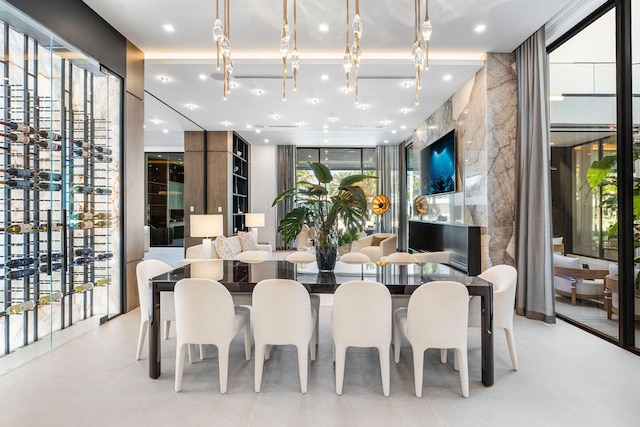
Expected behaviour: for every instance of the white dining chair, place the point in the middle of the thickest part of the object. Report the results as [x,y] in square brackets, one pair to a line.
[145,270]
[301,257]
[504,278]
[205,314]
[437,317]
[400,258]
[282,315]
[438,257]
[361,317]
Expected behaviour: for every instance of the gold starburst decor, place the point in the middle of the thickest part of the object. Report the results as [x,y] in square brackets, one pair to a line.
[380,204]
[420,205]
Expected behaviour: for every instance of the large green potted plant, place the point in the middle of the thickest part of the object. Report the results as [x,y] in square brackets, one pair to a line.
[324,206]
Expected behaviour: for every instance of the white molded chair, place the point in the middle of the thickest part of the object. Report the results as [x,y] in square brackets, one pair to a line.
[253,256]
[437,317]
[361,317]
[282,315]
[376,245]
[301,257]
[354,258]
[504,278]
[400,258]
[205,315]
[145,270]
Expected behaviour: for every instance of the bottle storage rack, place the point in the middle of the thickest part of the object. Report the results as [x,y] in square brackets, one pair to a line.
[59,191]
[240,182]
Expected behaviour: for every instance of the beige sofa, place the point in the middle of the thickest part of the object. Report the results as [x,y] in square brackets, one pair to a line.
[376,245]
[573,281]
[195,252]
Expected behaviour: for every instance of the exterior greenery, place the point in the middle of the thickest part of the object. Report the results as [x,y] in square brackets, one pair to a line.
[324,205]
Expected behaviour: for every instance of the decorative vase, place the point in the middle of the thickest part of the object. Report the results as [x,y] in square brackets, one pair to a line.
[326,257]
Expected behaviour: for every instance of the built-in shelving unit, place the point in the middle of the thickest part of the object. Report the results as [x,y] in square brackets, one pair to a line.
[240,182]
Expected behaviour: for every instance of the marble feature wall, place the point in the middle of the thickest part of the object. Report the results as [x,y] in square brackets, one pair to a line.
[483,112]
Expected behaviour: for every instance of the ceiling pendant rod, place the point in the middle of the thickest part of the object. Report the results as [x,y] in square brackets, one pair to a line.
[217,34]
[295,59]
[356,37]
[284,48]
[348,59]
[426,34]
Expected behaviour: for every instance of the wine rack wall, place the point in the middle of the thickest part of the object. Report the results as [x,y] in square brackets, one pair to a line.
[59,191]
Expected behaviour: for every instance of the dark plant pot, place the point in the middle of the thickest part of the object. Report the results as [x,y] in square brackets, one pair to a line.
[326,257]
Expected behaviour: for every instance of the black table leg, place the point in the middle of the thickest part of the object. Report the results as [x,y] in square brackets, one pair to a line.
[486,301]
[154,331]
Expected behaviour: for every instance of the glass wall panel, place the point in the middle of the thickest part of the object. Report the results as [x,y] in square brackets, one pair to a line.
[583,125]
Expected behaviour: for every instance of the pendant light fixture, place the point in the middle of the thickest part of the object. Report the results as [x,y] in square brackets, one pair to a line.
[347,63]
[295,59]
[221,31]
[218,32]
[422,33]
[352,54]
[284,48]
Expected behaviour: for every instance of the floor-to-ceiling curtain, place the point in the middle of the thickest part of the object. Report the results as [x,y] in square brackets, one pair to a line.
[533,189]
[389,184]
[286,178]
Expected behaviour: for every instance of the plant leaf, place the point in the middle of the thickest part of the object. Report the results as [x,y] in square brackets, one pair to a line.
[352,179]
[292,223]
[322,173]
[286,193]
[599,169]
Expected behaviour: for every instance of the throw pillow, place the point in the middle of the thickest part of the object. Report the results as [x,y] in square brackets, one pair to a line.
[248,241]
[224,249]
[377,239]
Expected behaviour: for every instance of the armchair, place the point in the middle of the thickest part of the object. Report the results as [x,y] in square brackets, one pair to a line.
[305,238]
[376,245]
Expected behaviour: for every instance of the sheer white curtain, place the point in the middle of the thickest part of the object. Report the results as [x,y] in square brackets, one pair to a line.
[535,297]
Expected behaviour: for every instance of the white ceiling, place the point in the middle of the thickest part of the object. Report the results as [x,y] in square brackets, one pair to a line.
[456,51]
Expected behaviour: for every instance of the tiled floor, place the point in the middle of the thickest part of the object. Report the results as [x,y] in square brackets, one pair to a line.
[566,378]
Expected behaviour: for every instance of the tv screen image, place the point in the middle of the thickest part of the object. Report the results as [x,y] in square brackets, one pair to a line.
[438,166]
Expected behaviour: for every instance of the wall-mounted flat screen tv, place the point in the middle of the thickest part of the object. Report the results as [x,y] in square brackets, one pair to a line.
[438,166]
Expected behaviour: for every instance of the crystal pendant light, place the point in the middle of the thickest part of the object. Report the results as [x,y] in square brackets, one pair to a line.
[295,59]
[355,51]
[426,29]
[225,47]
[218,32]
[347,62]
[421,57]
[284,48]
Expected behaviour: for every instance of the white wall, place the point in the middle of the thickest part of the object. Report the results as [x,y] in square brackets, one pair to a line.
[263,189]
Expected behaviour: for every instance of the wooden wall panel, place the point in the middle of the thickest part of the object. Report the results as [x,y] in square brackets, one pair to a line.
[194,185]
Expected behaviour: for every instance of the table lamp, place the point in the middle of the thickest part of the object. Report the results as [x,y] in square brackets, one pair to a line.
[206,226]
[254,220]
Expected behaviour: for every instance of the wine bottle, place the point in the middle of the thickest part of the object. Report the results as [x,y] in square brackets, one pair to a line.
[103,282]
[104,256]
[19,228]
[103,158]
[18,173]
[102,191]
[18,274]
[82,144]
[86,189]
[83,251]
[51,135]
[18,262]
[46,145]
[83,216]
[21,307]
[51,186]
[81,153]
[54,267]
[49,298]
[54,257]
[82,225]
[102,215]
[84,260]
[48,176]
[103,150]
[24,139]
[18,184]
[54,227]
[102,224]
[84,287]
[20,127]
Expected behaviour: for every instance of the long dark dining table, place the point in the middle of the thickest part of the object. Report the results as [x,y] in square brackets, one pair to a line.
[240,278]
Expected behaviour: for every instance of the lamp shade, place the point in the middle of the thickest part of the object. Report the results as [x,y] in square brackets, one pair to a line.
[254,219]
[206,225]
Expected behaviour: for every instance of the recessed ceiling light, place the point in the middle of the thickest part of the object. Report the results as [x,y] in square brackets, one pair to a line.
[326,151]
[480,28]
[407,84]
[275,116]
[168,28]
[233,85]
[313,101]
[385,122]
[403,127]
[333,119]
[249,126]
[203,77]
[156,121]
[326,131]
[405,110]
[326,140]
[363,106]
[447,77]
[386,141]
[191,106]
[258,131]
[394,131]
[326,159]
[300,124]
[325,126]
[164,79]
[324,77]
[258,92]
[227,124]
[165,131]
[309,156]
[323,27]
[266,140]
[345,89]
